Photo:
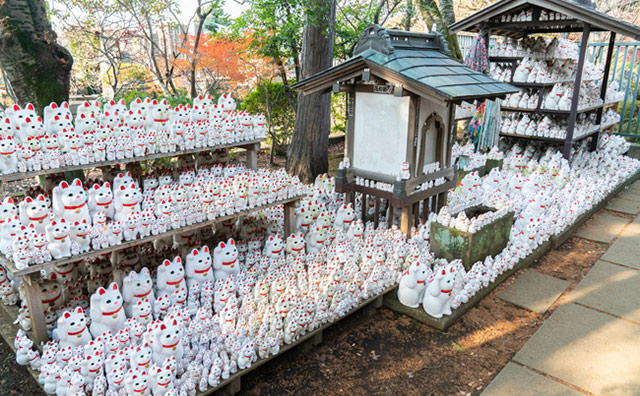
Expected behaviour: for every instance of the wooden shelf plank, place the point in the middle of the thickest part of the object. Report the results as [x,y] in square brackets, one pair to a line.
[248,144]
[95,253]
[549,111]
[548,139]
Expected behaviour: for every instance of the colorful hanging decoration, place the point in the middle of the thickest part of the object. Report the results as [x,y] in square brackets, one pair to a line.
[484,127]
[477,57]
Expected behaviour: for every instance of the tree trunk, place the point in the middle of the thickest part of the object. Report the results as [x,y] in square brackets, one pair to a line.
[308,152]
[434,14]
[194,61]
[37,67]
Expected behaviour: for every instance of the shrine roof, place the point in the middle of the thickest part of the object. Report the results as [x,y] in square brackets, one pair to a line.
[575,14]
[420,62]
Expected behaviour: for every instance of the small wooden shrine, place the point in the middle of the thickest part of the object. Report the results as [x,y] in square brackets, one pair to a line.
[402,88]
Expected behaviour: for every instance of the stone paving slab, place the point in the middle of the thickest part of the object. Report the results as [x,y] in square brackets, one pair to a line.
[516,380]
[635,186]
[625,250]
[534,291]
[602,227]
[623,205]
[634,227]
[631,194]
[610,288]
[591,350]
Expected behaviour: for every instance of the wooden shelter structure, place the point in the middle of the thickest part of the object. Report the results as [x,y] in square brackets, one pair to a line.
[578,16]
[402,88]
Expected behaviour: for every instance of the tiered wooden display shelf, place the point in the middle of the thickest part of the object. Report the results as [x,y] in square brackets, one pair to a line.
[31,274]
[552,17]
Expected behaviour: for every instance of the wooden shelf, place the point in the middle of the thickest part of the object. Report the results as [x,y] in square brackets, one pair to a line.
[9,313]
[518,109]
[549,111]
[607,126]
[567,112]
[529,137]
[589,134]
[505,58]
[11,269]
[248,144]
[549,139]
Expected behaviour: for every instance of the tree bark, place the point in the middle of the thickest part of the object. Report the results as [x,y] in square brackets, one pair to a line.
[37,67]
[442,16]
[308,152]
[194,61]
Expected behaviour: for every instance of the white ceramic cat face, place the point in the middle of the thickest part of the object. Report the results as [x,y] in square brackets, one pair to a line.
[101,194]
[16,113]
[72,195]
[110,299]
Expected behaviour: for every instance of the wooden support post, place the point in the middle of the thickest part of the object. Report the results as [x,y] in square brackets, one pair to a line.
[348,197]
[603,89]
[376,214]
[363,201]
[316,339]
[252,156]
[390,215]
[371,309]
[568,143]
[405,222]
[426,206]
[231,389]
[442,201]
[36,309]
[289,218]
[487,37]
[377,303]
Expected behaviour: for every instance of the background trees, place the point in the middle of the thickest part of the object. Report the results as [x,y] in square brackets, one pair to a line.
[36,66]
[130,48]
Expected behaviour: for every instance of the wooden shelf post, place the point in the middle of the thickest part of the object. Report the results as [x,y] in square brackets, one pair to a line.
[36,309]
[575,99]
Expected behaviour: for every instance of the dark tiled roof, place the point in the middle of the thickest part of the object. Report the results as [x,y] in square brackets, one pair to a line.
[577,14]
[417,59]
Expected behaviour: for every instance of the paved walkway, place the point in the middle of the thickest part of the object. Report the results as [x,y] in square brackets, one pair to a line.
[590,345]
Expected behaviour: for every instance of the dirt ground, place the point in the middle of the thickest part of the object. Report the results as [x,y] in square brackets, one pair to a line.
[388,353]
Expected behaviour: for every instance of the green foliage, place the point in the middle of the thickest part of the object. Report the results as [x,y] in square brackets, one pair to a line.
[278,34]
[338,116]
[182,97]
[217,20]
[271,98]
[353,16]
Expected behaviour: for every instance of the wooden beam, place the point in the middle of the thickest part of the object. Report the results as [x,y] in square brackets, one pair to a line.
[566,150]
[412,136]
[603,88]
[36,309]
[250,144]
[136,242]
[350,114]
